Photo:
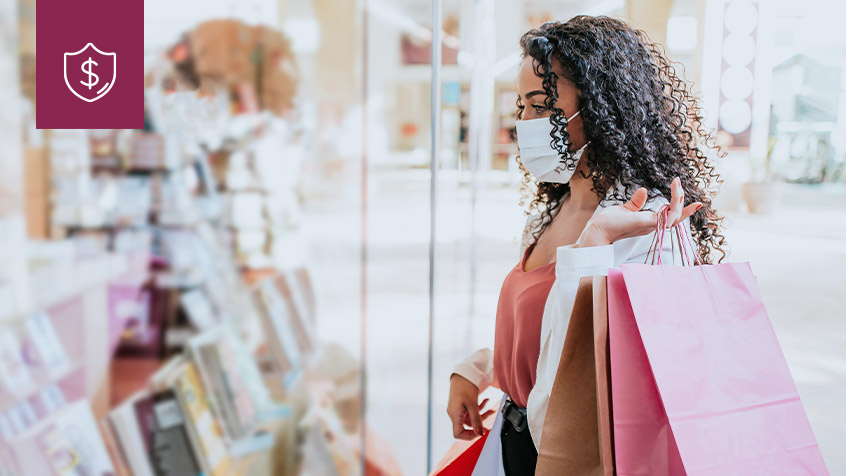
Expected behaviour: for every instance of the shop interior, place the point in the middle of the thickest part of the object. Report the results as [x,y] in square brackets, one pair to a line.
[277,274]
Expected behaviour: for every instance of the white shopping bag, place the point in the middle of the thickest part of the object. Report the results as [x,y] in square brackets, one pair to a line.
[490,460]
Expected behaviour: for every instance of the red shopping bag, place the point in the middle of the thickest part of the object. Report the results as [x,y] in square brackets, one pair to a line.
[699,383]
[461,458]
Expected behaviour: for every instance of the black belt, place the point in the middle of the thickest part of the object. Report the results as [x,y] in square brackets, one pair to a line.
[515,415]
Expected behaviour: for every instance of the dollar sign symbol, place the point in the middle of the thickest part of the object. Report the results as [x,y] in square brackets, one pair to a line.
[88,71]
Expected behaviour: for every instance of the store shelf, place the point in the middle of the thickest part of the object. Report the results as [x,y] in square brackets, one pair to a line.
[55,284]
[39,383]
[55,288]
[175,280]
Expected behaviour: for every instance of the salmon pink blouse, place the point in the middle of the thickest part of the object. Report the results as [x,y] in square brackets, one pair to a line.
[519,316]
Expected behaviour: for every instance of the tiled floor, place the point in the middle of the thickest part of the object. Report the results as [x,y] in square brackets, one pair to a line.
[129,375]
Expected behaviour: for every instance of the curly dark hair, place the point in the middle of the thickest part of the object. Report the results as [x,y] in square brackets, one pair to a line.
[643,123]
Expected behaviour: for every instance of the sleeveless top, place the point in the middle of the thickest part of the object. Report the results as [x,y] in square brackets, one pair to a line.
[519,316]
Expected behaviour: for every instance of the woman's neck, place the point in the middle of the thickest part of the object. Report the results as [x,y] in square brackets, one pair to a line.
[582,195]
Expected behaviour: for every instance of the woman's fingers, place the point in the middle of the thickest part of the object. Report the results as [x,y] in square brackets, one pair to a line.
[458,429]
[638,200]
[676,203]
[688,211]
[475,419]
[471,417]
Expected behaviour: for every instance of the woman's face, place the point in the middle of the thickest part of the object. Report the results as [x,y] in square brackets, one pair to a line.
[530,89]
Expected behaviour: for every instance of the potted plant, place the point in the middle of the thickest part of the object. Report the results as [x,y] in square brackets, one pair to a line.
[764,194]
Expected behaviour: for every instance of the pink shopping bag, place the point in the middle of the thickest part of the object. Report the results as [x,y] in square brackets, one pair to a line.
[699,382]
[643,440]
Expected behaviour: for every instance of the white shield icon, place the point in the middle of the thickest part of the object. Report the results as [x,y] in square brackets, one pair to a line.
[90,73]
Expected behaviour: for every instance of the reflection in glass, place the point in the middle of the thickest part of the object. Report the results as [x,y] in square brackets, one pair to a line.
[737,83]
[735,116]
[738,50]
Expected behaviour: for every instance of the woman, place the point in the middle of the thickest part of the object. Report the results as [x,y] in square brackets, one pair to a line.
[607,130]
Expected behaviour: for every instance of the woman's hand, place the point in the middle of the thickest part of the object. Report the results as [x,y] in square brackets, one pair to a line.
[624,221]
[464,408]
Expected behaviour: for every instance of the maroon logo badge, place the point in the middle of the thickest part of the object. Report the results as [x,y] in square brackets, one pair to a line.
[90,64]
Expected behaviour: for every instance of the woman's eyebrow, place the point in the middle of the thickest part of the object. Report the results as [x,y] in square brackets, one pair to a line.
[529,95]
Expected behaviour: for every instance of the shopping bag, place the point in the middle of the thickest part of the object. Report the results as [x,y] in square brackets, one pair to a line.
[490,459]
[707,373]
[462,457]
[577,437]
[643,439]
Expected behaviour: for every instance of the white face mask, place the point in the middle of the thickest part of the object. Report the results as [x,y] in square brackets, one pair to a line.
[538,155]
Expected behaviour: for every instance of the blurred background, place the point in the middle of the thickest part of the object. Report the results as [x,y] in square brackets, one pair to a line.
[278,274]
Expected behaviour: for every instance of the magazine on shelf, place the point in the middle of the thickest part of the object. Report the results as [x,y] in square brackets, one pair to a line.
[16,419]
[110,440]
[199,309]
[15,377]
[7,432]
[133,201]
[8,462]
[327,450]
[172,200]
[52,399]
[151,151]
[186,254]
[168,373]
[282,339]
[42,347]
[296,287]
[68,443]
[131,435]
[204,428]
[208,200]
[249,373]
[171,451]
[27,413]
[228,395]
[8,465]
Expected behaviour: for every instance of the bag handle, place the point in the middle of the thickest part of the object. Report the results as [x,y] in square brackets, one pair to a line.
[683,236]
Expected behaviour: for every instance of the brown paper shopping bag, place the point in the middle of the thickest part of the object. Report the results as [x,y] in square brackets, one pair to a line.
[577,438]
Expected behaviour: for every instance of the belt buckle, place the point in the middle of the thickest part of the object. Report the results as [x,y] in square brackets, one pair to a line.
[512,413]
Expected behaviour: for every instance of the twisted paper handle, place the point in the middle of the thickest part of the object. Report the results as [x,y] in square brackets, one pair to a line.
[684,238]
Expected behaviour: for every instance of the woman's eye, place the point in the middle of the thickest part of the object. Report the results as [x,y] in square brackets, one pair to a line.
[538,108]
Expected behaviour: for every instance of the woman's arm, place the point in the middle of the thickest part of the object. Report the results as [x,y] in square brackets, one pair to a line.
[475,373]
[470,377]
[477,368]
